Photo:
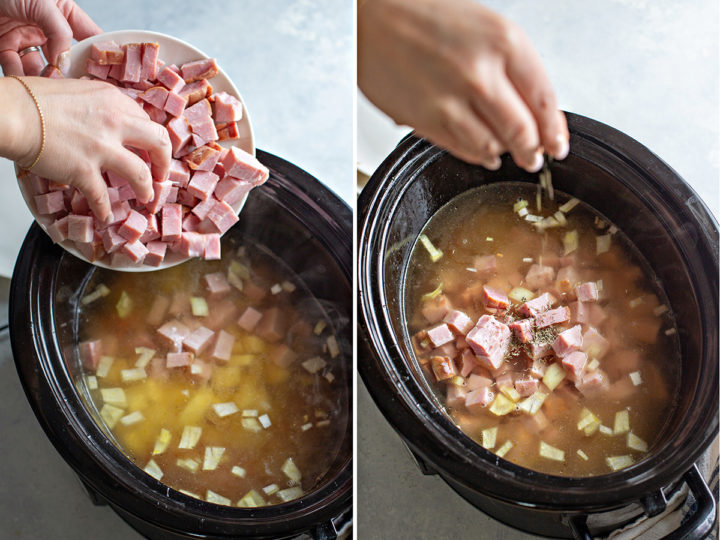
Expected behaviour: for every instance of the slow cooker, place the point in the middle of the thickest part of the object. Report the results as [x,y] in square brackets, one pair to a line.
[296,218]
[676,234]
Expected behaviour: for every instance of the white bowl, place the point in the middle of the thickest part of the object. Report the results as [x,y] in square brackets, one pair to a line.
[172,51]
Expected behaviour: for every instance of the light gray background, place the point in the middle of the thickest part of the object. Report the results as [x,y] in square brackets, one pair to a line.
[293,64]
[650,69]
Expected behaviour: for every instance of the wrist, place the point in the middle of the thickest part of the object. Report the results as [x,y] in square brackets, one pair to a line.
[20,125]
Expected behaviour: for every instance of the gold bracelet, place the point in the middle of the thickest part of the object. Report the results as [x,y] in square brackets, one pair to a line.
[42,119]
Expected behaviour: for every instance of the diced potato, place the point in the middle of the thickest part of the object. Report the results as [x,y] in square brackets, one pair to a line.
[291,470]
[510,392]
[550,452]
[132,418]
[188,464]
[520,295]
[91,381]
[605,430]
[333,347]
[251,424]
[636,443]
[276,289]
[213,454]
[582,454]
[238,471]
[114,396]
[213,497]
[636,378]
[242,360]
[602,244]
[190,437]
[162,442]
[504,449]
[251,499]
[569,205]
[435,254]
[104,365]
[264,421]
[618,462]
[290,494]
[532,404]
[554,375]
[153,470]
[199,306]
[111,415]
[124,305]
[489,437]
[622,422]
[588,423]
[225,409]
[196,408]
[314,364]
[501,405]
[271,489]
[132,375]
[570,241]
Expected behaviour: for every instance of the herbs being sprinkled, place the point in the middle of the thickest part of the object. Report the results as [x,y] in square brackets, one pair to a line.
[545,335]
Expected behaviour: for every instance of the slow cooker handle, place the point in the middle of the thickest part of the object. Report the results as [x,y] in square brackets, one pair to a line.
[696,528]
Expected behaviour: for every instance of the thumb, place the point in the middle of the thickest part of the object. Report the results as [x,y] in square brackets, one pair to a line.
[57,31]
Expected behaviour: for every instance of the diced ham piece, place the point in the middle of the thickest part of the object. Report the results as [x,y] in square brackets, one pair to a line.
[179,173]
[90,250]
[579,313]
[152,232]
[178,359]
[272,325]
[440,335]
[531,308]
[132,62]
[448,349]
[38,184]
[79,204]
[202,184]
[467,362]
[567,278]
[526,386]
[493,298]
[203,158]
[223,346]
[568,341]
[179,131]
[116,73]
[539,276]
[435,309]
[96,69]
[574,364]
[158,309]
[191,244]
[171,223]
[156,115]
[594,344]
[597,315]
[538,368]
[222,216]
[482,397]
[133,227]
[522,330]
[106,52]
[198,340]
[156,253]
[593,382]
[50,203]
[125,193]
[486,265]
[249,319]
[221,314]
[539,350]
[90,353]
[243,166]
[161,191]
[282,355]
[196,91]
[489,340]
[587,292]
[475,381]
[232,191]
[174,333]
[216,283]
[443,367]
[552,316]
[455,396]
[81,228]
[204,131]
[459,322]
[171,79]
[115,180]
[200,69]
[135,251]
[226,132]
[175,104]
[120,211]
[155,96]
[112,240]
[148,71]
[58,230]
[227,108]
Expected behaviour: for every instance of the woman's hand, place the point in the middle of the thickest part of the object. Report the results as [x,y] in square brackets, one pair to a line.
[50,24]
[464,77]
[88,125]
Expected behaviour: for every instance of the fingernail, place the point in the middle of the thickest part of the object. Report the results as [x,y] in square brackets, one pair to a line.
[493,164]
[63,62]
[564,147]
[537,163]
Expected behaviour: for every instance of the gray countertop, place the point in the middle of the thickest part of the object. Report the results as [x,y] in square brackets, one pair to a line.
[293,64]
[647,68]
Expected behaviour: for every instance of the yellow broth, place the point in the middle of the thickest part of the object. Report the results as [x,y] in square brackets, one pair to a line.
[637,325]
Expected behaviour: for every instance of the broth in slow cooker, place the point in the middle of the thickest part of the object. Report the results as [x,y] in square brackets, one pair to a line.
[542,331]
[224,380]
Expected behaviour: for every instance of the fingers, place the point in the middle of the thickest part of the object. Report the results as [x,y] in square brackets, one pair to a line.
[528,75]
[80,22]
[147,135]
[32,63]
[475,143]
[58,32]
[131,167]
[92,185]
[11,63]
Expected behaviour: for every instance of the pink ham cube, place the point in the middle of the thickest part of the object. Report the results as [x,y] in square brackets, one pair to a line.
[90,353]
[440,335]
[567,278]
[161,191]
[455,396]
[552,316]
[480,398]
[179,173]
[232,191]
[120,212]
[79,204]
[112,240]
[155,96]
[115,180]
[199,69]
[443,367]
[203,158]
[216,284]
[537,305]
[223,346]
[58,230]
[174,333]
[156,253]
[436,309]
[202,208]
[81,228]
[174,104]
[198,340]
[587,292]
[539,350]
[227,108]
[222,216]
[152,232]
[459,322]
[171,222]
[249,319]
[493,298]
[522,330]
[158,309]
[568,341]
[125,193]
[243,166]
[272,325]
[133,227]
[574,364]
[202,184]
[467,362]
[593,383]
[170,79]
[596,315]
[106,53]
[282,355]
[135,251]
[526,386]
[594,344]
[96,69]
[148,69]
[475,381]
[156,115]
[190,223]
[489,340]
[196,91]
[579,313]
[191,244]
[212,247]
[178,359]
[486,265]
[179,132]
[204,131]
[50,203]
[539,276]
[132,62]
[538,368]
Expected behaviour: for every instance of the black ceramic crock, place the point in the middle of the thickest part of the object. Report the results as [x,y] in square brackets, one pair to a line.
[677,235]
[299,220]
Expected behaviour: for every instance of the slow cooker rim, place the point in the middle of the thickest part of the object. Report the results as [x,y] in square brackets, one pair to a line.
[411,150]
[321,505]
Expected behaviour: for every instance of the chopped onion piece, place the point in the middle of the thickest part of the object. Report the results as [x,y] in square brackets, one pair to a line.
[432,294]
[613,229]
[489,239]
[569,205]
[489,437]
[91,381]
[589,423]
[532,404]
[457,380]
[307,426]
[435,254]
[190,493]
[322,423]
[622,422]
[199,306]
[213,497]
[111,414]
[570,241]
[635,302]
[239,269]
[162,442]
[471,269]
[333,347]
[288,286]
[636,378]
[132,418]
[252,499]
[271,489]
[153,470]
[145,356]
[235,281]
[519,205]
[554,375]
[131,375]
[550,452]
[602,244]
[290,494]
[319,327]
[249,413]
[185,392]
[329,377]
[618,462]
[504,449]
[599,285]
[582,454]
[593,364]
[238,471]
[188,464]
[251,424]
[527,259]
[265,421]
[196,369]
[605,430]
[501,405]
[636,443]
[114,396]
[104,366]
[670,331]
[660,310]
[124,305]
[291,470]
[532,218]
[225,409]
[212,457]
[522,212]
[100,292]
[276,289]
[521,294]
[314,364]
[190,437]
[560,217]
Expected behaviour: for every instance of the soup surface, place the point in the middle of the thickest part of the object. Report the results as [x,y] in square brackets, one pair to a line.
[224,379]
[542,331]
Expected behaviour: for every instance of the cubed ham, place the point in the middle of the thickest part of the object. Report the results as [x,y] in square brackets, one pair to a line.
[115,180]
[440,335]
[202,184]
[522,330]
[222,216]
[494,298]
[443,367]
[115,73]
[148,70]
[170,79]
[489,340]
[175,104]
[447,349]
[458,322]
[201,371]
[152,232]
[112,240]
[568,341]
[480,398]
[574,364]
[96,69]
[198,340]
[79,204]
[161,190]
[38,184]
[272,326]
[526,386]
[227,132]
[475,381]
[461,343]
[158,309]
[125,193]
[537,305]
[133,227]
[223,346]
[227,108]
[179,173]
[106,53]
[467,362]
[282,355]
[196,91]
[203,158]
[435,309]
[486,265]
[81,228]
[243,166]
[190,223]
[178,359]
[156,253]
[92,251]
[538,367]
[191,244]
[131,63]
[171,222]
[58,230]
[455,396]
[593,383]
[120,212]
[155,96]
[50,203]
[552,316]
[204,131]
[199,69]
[539,276]
[135,251]
[156,115]
[216,283]
[90,353]
[594,344]
[587,292]
[179,132]
[567,278]
[249,319]
[597,315]
[174,333]
[232,191]
[579,313]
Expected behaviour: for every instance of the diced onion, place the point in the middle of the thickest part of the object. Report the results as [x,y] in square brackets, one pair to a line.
[319,327]
[111,414]
[132,418]
[124,305]
[307,426]
[618,462]
[582,454]
[145,356]
[489,239]
[265,421]
[329,377]
[100,292]
[252,499]
[276,289]
[314,364]
[588,423]
[333,347]
[114,396]
[489,437]
[504,449]
[635,302]
[435,254]
[212,457]
[162,442]
[569,205]
[602,244]
[622,422]
[519,205]
[670,331]
[560,217]
[532,218]
[190,437]
[432,294]
[660,310]
[134,374]
[521,294]
[613,229]
[605,430]
[153,470]
[290,494]
[636,378]
[213,497]
[322,423]
[239,269]
[570,241]
[527,259]
[188,464]
[532,404]
[291,470]
[225,409]
[550,452]
[599,285]
[249,413]
[636,443]
[251,424]
[104,366]
[235,281]
[91,381]
[522,212]
[199,306]
[238,471]
[554,375]
[271,489]
[288,286]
